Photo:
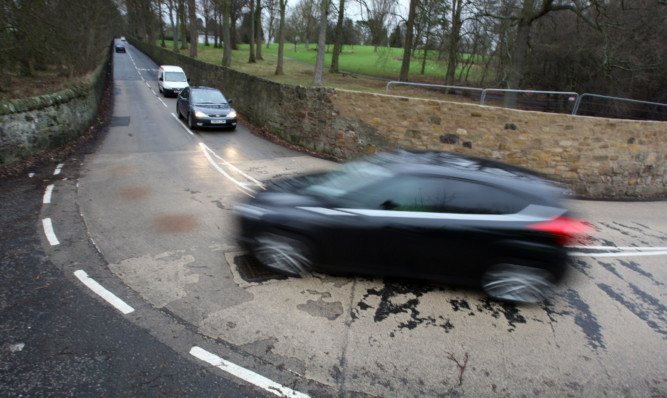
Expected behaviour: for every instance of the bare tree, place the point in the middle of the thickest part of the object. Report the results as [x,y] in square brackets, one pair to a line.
[376,14]
[407,46]
[258,30]
[338,38]
[251,57]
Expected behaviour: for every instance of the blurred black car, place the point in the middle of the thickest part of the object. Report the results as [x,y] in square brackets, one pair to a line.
[120,48]
[205,107]
[429,215]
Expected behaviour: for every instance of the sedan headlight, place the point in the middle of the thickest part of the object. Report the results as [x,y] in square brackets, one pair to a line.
[232,114]
[200,114]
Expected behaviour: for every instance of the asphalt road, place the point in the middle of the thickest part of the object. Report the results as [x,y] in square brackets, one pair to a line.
[148,216]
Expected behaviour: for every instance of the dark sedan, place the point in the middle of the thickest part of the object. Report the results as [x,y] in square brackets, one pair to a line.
[205,107]
[120,48]
[428,215]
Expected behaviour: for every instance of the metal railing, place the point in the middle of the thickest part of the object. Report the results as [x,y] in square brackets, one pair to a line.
[550,105]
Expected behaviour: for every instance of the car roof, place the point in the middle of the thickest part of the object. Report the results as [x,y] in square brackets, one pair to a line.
[455,165]
[171,68]
[203,88]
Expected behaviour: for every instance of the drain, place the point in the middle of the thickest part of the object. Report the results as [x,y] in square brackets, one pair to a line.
[252,270]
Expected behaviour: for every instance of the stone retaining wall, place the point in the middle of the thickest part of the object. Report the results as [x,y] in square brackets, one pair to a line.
[597,157]
[32,125]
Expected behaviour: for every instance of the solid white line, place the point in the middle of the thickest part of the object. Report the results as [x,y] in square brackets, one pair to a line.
[102,292]
[617,248]
[245,374]
[48,231]
[163,103]
[618,254]
[181,123]
[241,185]
[47,194]
[58,169]
[231,166]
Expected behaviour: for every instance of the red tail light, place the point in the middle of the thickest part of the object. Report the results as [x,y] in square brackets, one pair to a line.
[566,229]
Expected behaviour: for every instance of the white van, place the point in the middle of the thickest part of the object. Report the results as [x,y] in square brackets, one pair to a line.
[171,80]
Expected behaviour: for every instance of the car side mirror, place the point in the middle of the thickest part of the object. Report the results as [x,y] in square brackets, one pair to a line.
[229,101]
[159,78]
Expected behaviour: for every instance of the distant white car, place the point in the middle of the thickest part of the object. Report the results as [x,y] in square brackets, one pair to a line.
[122,38]
[171,80]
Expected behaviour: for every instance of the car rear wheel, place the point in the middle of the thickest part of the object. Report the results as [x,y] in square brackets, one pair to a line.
[519,283]
[286,255]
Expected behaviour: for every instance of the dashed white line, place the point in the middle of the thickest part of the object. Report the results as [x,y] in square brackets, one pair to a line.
[245,374]
[102,292]
[59,168]
[47,194]
[619,254]
[618,251]
[48,231]
[182,125]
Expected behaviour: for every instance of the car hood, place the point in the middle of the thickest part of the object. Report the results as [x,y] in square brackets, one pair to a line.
[223,109]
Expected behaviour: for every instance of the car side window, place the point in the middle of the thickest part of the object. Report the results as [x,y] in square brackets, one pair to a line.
[439,195]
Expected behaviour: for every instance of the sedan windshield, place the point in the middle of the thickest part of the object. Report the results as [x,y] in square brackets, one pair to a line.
[350,177]
[202,97]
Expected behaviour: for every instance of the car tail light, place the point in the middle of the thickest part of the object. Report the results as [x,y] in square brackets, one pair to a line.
[567,230]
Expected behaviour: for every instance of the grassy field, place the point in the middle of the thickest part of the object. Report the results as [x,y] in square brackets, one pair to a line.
[364,60]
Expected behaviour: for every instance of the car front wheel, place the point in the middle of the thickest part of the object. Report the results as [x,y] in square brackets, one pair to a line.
[518,283]
[284,254]
[178,112]
[191,122]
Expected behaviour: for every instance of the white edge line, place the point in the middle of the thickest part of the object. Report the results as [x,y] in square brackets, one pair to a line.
[58,169]
[618,254]
[48,231]
[243,187]
[182,125]
[231,165]
[245,374]
[47,194]
[102,292]
[637,248]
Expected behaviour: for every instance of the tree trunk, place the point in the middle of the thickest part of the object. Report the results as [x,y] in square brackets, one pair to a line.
[338,38]
[227,51]
[455,39]
[251,57]
[321,43]
[407,47]
[281,38]
[194,34]
[184,33]
[258,30]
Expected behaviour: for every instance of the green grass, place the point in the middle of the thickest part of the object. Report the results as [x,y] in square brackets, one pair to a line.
[385,63]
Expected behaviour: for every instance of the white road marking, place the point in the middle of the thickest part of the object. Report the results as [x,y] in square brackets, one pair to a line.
[102,292]
[618,251]
[47,194]
[245,374]
[244,186]
[48,231]
[59,168]
[181,123]
[163,103]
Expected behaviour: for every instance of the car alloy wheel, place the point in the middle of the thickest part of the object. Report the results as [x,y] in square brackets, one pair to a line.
[512,282]
[283,254]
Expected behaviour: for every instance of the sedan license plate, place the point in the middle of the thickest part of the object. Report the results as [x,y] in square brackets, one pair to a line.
[218,121]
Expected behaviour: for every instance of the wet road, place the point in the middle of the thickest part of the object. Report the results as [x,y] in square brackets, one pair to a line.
[148,216]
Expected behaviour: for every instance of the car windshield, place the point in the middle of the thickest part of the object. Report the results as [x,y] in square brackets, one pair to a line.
[350,177]
[202,97]
[175,77]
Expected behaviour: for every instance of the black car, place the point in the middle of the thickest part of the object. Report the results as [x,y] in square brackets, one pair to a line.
[430,215]
[205,107]
[120,48]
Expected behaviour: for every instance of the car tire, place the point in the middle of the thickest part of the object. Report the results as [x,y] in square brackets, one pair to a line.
[517,283]
[286,255]
[178,112]
[191,123]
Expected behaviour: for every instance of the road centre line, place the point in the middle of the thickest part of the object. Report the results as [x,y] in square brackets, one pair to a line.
[618,248]
[48,231]
[617,251]
[47,195]
[619,254]
[245,374]
[102,292]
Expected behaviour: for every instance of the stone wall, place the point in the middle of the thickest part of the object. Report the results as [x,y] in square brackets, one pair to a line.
[32,125]
[597,157]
